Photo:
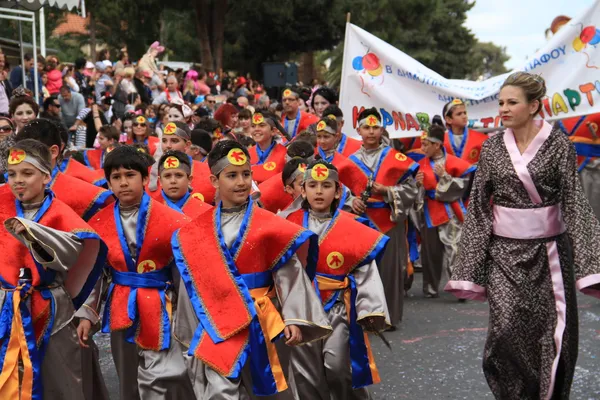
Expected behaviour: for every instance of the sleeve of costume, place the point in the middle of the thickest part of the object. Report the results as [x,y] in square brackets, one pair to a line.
[582,227]
[370,298]
[401,197]
[53,249]
[451,189]
[347,206]
[300,304]
[470,276]
[90,310]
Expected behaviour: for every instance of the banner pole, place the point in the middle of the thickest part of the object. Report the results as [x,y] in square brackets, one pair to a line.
[341,99]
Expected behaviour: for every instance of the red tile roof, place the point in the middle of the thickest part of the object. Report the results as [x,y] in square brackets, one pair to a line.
[73,24]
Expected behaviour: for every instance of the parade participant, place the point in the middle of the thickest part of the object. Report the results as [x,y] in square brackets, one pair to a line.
[141,133]
[244,123]
[461,141]
[176,136]
[201,145]
[174,173]
[341,365]
[138,306]
[386,177]
[84,198]
[345,145]
[213,127]
[51,261]
[293,119]
[22,108]
[108,138]
[584,133]
[230,276]
[322,98]
[268,156]
[443,180]
[279,192]
[327,131]
[532,241]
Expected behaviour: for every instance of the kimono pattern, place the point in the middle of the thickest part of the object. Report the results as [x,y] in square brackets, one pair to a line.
[529,281]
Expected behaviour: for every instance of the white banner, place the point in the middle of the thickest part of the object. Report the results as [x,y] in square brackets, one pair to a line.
[408,94]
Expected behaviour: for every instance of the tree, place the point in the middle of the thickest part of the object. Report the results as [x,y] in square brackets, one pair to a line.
[487,60]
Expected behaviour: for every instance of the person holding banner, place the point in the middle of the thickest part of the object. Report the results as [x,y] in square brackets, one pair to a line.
[443,181]
[584,132]
[293,119]
[532,241]
[461,141]
[384,180]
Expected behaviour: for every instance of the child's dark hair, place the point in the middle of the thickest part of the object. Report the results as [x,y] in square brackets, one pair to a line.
[110,132]
[300,148]
[307,136]
[202,138]
[42,130]
[180,155]
[246,140]
[221,149]
[368,111]
[335,203]
[127,157]
[245,113]
[334,110]
[290,167]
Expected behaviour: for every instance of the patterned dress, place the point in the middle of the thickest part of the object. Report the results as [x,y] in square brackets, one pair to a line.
[529,280]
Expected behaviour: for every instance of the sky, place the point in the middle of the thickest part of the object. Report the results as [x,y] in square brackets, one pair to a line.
[519,25]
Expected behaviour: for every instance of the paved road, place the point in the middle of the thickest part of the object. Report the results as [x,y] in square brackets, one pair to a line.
[437,352]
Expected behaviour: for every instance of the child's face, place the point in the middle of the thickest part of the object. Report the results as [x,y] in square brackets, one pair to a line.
[175,183]
[295,189]
[371,136]
[234,184]
[104,142]
[27,182]
[174,142]
[244,122]
[262,133]
[320,195]
[127,185]
[459,118]
[326,141]
[430,149]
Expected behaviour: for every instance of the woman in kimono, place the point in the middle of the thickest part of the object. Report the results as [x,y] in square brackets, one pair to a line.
[532,240]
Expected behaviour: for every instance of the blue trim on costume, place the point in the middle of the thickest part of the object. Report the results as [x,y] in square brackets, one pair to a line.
[180,203]
[264,155]
[324,156]
[342,144]
[367,170]
[413,245]
[140,232]
[36,353]
[97,205]
[296,124]
[469,170]
[159,279]
[64,164]
[411,171]
[96,271]
[575,127]
[587,149]
[458,151]
[361,372]
[584,163]
[415,156]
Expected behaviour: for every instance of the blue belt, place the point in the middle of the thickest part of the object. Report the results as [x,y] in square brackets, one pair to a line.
[258,279]
[430,194]
[159,279]
[377,204]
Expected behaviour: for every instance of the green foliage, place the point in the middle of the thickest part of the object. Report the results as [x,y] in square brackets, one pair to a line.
[487,60]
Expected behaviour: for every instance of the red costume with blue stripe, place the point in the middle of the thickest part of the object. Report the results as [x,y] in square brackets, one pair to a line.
[268,163]
[580,131]
[136,301]
[469,148]
[437,212]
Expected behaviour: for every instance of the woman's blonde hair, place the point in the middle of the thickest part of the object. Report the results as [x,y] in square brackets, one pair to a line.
[532,85]
[129,72]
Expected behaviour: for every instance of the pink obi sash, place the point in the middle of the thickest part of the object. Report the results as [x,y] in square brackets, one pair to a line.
[528,223]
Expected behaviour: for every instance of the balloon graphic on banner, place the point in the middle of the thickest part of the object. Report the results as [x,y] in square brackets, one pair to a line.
[371,63]
[589,34]
[357,63]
